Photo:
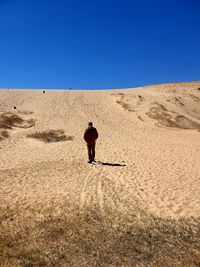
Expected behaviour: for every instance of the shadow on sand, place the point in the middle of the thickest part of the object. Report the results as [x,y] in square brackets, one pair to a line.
[109,164]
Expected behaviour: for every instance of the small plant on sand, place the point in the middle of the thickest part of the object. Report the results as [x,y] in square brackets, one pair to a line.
[3,134]
[8,120]
[51,136]
[122,103]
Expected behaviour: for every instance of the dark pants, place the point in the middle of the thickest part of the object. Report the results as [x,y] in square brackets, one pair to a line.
[91,151]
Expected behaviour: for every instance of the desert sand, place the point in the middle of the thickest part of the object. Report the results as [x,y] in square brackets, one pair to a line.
[147,154]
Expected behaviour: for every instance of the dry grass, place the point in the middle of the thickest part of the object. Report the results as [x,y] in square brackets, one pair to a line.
[71,239]
[123,104]
[176,101]
[25,112]
[140,98]
[170,119]
[185,123]
[139,117]
[51,136]
[194,98]
[3,134]
[8,120]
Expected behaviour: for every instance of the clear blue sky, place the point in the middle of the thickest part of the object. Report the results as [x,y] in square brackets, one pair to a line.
[98,43]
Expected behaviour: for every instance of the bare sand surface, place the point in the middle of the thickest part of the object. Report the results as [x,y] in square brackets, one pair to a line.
[148,160]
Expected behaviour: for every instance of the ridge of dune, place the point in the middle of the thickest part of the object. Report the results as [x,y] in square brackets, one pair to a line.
[147,153]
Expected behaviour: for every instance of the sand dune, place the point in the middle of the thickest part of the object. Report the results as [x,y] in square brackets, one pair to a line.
[148,155]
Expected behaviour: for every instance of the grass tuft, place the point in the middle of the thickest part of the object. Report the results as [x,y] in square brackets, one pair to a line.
[51,136]
[170,119]
[8,120]
[3,134]
[123,104]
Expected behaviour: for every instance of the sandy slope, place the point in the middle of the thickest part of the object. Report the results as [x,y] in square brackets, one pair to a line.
[161,172]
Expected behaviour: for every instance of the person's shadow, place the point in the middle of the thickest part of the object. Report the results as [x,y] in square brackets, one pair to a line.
[109,164]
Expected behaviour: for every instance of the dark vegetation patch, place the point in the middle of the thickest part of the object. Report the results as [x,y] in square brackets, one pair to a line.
[140,118]
[51,136]
[176,101]
[140,97]
[170,119]
[3,134]
[8,120]
[25,112]
[118,94]
[194,98]
[123,104]
[91,239]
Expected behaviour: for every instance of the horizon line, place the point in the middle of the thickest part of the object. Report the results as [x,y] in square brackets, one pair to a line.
[96,89]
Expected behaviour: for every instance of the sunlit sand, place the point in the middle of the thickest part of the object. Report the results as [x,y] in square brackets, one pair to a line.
[57,210]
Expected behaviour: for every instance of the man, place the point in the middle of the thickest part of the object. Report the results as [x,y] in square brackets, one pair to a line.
[90,137]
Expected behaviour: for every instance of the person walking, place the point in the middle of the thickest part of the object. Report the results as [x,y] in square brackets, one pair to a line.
[90,137]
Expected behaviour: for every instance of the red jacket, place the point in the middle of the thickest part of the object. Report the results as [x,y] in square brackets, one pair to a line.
[90,135]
